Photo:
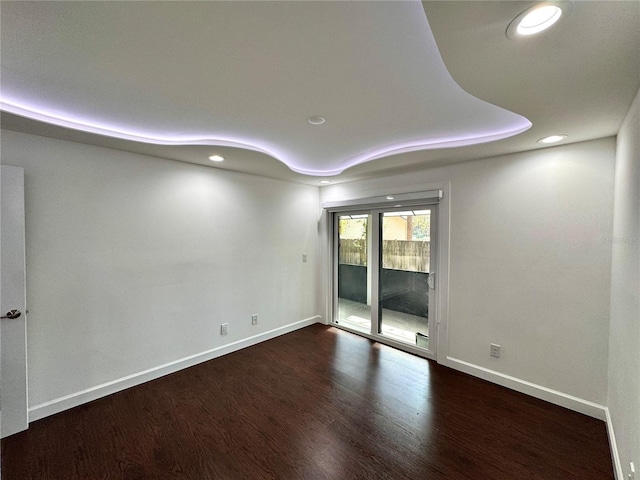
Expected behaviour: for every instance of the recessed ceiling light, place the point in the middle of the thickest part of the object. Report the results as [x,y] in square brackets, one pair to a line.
[316,120]
[389,197]
[216,158]
[552,139]
[537,19]
[325,182]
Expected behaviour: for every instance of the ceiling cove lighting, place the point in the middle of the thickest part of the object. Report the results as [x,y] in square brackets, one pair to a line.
[552,139]
[124,132]
[42,114]
[537,19]
[216,158]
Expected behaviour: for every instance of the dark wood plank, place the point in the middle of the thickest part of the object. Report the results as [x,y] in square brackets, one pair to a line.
[318,403]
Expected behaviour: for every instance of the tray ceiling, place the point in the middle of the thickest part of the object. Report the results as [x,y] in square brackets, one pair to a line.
[185,80]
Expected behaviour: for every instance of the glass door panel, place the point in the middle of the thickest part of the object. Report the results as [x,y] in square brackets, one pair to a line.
[384,263]
[405,265]
[353,272]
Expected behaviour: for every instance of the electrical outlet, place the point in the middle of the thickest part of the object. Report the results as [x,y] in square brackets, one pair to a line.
[632,472]
[254,319]
[304,257]
[495,350]
[224,329]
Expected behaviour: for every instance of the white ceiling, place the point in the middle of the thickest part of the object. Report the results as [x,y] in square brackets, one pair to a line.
[247,75]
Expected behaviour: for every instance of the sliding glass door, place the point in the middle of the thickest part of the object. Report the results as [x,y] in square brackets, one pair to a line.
[404,275]
[353,246]
[384,263]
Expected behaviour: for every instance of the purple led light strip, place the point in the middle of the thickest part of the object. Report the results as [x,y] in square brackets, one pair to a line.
[41,115]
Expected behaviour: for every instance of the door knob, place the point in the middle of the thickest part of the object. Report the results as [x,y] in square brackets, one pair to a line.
[12,314]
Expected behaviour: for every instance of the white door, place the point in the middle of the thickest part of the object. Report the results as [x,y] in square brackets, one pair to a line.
[13,345]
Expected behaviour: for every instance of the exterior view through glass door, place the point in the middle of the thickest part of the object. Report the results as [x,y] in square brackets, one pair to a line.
[354,279]
[404,273]
[384,273]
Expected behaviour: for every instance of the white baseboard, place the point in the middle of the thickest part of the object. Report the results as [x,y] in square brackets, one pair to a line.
[73,400]
[615,457]
[552,396]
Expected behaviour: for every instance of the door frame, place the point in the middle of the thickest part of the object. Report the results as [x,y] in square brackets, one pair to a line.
[347,201]
[374,270]
[14,400]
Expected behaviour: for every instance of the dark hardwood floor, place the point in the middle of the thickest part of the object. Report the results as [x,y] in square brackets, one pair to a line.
[318,403]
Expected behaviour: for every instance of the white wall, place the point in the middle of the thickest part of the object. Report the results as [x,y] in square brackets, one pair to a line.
[530,262]
[624,339]
[134,261]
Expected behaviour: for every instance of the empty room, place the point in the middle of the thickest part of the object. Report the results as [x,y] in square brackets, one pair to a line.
[320,240]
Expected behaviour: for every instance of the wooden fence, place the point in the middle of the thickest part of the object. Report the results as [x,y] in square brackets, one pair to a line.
[408,255]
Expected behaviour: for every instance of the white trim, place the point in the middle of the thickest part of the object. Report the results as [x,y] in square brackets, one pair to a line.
[442,274]
[538,391]
[73,400]
[385,201]
[615,456]
[373,268]
[325,299]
